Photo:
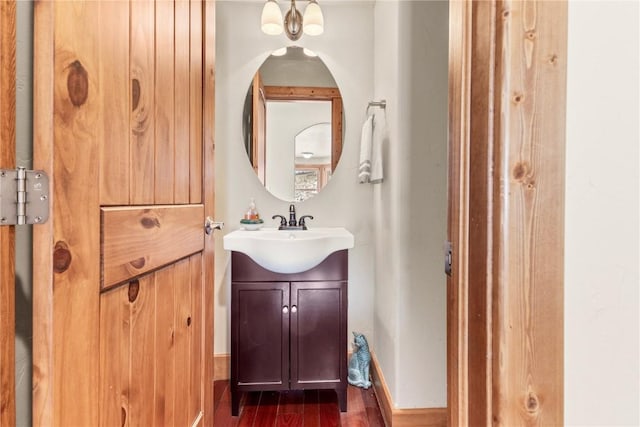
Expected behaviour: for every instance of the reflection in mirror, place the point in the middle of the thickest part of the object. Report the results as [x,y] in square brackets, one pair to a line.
[293,124]
[313,160]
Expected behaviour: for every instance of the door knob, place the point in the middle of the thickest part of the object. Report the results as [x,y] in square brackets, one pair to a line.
[294,309]
[210,225]
[285,309]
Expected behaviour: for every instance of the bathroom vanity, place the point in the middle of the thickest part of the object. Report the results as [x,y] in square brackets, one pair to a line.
[288,330]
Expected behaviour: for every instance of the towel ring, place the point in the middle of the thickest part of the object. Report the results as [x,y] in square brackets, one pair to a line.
[381,104]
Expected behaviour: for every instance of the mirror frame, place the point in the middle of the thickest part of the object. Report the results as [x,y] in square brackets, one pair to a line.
[309,93]
[262,94]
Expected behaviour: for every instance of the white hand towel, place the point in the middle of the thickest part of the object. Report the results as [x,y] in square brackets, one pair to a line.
[366,141]
[379,137]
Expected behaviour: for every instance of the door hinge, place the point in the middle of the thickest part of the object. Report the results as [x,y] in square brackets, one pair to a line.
[448,257]
[24,197]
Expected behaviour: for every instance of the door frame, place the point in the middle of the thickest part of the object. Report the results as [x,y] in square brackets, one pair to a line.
[7,233]
[507,96]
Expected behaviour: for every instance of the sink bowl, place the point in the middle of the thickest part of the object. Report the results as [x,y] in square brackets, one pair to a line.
[289,251]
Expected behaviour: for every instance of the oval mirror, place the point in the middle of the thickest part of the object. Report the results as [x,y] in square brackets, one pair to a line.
[293,124]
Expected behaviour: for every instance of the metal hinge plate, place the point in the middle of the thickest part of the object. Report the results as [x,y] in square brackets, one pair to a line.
[24,197]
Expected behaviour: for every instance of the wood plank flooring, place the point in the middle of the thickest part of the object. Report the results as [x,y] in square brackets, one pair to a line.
[308,408]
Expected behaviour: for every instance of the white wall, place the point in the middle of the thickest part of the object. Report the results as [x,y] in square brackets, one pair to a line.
[601,227]
[411,51]
[346,49]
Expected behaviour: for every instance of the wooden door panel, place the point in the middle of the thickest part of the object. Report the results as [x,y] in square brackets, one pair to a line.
[142,75]
[136,240]
[196,340]
[318,339]
[147,360]
[142,351]
[115,104]
[182,89]
[166,343]
[164,106]
[183,322]
[115,342]
[130,257]
[196,102]
[260,336]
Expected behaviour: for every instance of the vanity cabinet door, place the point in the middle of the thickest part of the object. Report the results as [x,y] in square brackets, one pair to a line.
[318,335]
[260,336]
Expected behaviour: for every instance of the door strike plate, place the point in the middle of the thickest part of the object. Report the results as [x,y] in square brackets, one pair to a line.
[448,255]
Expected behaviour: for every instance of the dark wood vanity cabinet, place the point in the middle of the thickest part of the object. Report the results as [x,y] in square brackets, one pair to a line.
[288,331]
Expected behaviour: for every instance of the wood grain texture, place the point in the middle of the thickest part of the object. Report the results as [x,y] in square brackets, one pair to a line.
[259,129]
[382,391]
[481,218]
[147,374]
[291,93]
[167,346]
[164,105]
[43,344]
[196,100]
[137,240]
[76,218]
[458,211]
[529,201]
[143,354]
[297,408]
[115,347]
[336,131]
[114,84]
[357,413]
[222,366]
[196,339]
[182,100]
[182,326]
[142,77]
[208,149]
[7,233]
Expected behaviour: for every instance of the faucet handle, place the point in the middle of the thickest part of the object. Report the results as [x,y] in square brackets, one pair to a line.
[292,216]
[283,220]
[301,223]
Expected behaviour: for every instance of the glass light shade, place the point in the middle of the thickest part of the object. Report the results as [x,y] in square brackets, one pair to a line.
[279,52]
[313,19]
[309,52]
[271,20]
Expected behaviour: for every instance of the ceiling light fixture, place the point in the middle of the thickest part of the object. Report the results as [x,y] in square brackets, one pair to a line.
[312,23]
[307,154]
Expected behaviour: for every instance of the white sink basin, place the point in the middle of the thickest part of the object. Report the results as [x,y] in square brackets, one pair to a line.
[285,251]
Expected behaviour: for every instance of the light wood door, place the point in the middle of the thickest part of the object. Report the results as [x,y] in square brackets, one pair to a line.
[123,280]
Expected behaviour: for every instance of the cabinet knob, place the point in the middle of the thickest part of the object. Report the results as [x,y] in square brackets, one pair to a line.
[285,309]
[294,309]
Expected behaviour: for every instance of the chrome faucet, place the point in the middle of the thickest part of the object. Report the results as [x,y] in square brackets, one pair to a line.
[293,223]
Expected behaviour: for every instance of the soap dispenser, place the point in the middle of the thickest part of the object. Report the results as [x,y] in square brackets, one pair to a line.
[251,219]
[252,212]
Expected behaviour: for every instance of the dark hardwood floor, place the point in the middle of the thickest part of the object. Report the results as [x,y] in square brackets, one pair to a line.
[308,408]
